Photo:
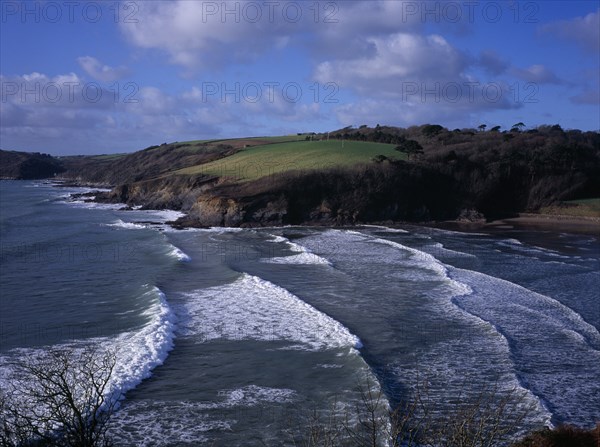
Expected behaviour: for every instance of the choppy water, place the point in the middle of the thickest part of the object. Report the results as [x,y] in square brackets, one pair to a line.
[222,334]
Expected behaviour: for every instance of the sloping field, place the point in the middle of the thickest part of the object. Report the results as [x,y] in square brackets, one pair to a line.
[242,142]
[260,161]
[575,208]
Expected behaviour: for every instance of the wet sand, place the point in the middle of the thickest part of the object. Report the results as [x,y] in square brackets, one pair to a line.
[531,222]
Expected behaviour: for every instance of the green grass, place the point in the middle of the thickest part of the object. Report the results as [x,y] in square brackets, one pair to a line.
[583,207]
[262,140]
[593,204]
[107,156]
[260,161]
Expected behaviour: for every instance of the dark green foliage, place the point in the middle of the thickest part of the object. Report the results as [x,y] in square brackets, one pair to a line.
[379,158]
[562,436]
[495,173]
[410,147]
[431,130]
[28,166]
[375,192]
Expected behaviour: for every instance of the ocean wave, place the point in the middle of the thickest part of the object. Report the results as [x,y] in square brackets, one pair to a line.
[558,360]
[428,262]
[386,229]
[139,352]
[438,248]
[178,254]
[136,352]
[255,309]
[127,225]
[190,423]
[443,364]
[303,256]
[511,310]
[146,423]
[164,215]
[253,395]
[94,205]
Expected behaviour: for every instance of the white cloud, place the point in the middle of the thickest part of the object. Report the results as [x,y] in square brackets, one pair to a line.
[66,91]
[538,74]
[201,35]
[100,72]
[492,62]
[585,31]
[195,35]
[30,115]
[399,58]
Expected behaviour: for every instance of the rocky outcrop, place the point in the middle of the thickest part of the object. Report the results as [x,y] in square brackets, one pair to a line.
[217,212]
[177,192]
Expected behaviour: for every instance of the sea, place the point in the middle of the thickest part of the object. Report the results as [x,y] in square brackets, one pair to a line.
[228,336]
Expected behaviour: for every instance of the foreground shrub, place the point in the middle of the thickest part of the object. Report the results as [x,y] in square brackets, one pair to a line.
[562,436]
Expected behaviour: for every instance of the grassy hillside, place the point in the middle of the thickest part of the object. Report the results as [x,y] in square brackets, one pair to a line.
[575,208]
[254,141]
[260,161]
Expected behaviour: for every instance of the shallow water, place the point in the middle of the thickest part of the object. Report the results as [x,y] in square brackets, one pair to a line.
[224,334]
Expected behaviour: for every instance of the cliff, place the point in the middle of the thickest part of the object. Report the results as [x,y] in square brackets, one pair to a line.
[459,174]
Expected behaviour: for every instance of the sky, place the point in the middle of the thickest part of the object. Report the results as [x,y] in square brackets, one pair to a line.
[95,77]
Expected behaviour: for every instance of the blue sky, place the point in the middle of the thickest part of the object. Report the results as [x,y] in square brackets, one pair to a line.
[114,76]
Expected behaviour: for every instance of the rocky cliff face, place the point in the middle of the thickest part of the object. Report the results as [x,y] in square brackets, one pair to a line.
[337,197]
[461,174]
[177,192]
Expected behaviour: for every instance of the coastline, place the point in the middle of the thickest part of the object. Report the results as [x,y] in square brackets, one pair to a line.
[530,222]
[552,223]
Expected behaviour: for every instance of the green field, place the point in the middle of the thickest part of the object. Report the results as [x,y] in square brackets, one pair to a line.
[260,161]
[252,141]
[593,204]
[583,208]
[108,156]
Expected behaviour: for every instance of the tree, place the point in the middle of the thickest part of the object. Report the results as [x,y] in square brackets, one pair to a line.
[488,417]
[431,130]
[59,398]
[495,129]
[482,127]
[410,147]
[517,127]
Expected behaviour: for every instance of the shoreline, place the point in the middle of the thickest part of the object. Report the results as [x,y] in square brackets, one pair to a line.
[589,225]
[530,222]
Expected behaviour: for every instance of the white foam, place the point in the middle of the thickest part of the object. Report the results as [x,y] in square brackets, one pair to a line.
[438,248]
[137,352]
[428,262]
[532,251]
[254,309]
[127,225]
[513,241]
[558,360]
[304,256]
[386,229]
[253,395]
[144,423]
[165,215]
[226,229]
[179,254]
[95,205]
